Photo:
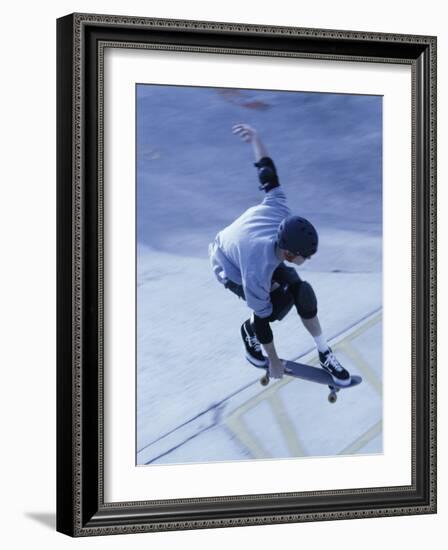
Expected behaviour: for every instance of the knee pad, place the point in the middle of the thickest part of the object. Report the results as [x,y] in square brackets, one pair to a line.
[305,300]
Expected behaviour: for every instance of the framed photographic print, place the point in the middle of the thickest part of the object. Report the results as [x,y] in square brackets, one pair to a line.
[246,274]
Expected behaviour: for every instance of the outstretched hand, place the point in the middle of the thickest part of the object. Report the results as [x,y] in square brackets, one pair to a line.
[276,369]
[245,132]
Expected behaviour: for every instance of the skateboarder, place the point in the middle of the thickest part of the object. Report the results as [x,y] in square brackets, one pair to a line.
[248,258]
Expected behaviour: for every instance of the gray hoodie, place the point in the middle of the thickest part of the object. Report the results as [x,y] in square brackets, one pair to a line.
[244,251]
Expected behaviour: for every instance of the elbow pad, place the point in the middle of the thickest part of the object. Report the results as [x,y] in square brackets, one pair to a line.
[267,174]
[262,330]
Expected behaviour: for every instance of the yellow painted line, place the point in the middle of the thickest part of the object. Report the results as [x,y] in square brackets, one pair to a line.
[271,395]
[362,441]
[273,387]
[363,328]
[361,364]
[237,425]
[286,426]
[239,428]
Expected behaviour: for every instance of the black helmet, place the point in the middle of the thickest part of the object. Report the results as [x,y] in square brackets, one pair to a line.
[297,235]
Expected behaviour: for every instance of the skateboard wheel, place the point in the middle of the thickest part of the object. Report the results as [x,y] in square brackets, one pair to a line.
[332,397]
[264,381]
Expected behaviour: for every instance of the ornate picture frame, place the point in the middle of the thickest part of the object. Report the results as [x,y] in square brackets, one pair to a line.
[81,506]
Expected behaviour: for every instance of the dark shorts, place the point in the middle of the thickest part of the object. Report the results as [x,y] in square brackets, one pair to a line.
[282,297]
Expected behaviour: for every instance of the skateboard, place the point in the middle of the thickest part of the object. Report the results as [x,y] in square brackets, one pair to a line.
[312,374]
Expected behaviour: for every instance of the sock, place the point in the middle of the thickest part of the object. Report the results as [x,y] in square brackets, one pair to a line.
[321,343]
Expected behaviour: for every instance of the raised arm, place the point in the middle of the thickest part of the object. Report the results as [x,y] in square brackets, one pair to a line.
[249,135]
[267,173]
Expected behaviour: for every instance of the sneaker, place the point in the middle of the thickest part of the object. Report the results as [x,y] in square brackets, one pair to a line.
[253,347]
[329,363]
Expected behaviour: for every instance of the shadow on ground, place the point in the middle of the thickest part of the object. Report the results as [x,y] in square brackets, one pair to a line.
[48,519]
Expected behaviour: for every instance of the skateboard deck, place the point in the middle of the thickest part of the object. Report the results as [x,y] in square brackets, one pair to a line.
[313,374]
